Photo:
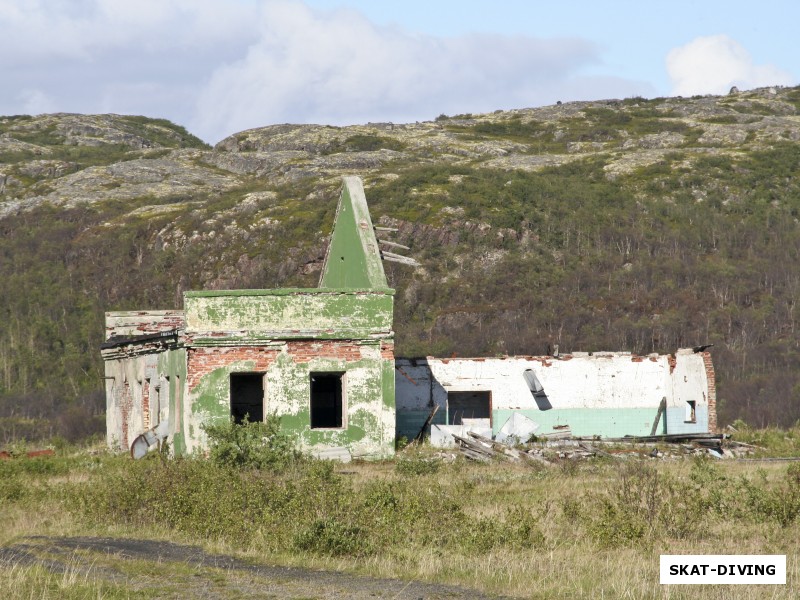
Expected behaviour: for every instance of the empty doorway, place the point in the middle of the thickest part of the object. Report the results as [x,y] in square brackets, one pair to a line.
[469,405]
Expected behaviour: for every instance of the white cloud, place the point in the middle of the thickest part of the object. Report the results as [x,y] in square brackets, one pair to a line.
[713,64]
[338,68]
[220,67]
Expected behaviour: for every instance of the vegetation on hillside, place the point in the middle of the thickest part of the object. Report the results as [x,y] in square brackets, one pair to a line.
[638,225]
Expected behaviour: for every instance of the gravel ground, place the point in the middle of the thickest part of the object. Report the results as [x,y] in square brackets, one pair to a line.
[167,570]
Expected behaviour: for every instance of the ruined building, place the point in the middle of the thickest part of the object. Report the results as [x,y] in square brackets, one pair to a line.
[610,394]
[323,360]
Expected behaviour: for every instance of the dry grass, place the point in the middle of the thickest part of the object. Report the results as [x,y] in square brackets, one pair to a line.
[571,554]
[74,582]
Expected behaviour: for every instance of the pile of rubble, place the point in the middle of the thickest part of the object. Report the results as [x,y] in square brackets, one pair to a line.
[561,445]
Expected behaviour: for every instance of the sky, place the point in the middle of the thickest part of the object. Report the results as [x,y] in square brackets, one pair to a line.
[218,67]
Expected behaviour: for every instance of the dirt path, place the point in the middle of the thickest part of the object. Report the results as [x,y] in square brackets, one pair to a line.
[168,570]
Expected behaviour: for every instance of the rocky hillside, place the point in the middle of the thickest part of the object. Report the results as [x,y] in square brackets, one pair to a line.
[634,224]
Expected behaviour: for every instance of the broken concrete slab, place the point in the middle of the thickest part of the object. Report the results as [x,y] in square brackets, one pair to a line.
[517,429]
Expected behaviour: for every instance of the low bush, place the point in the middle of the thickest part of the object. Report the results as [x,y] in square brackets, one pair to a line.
[258,445]
[416,464]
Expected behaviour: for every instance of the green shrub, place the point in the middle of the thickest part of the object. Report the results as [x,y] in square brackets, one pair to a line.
[780,504]
[12,489]
[416,464]
[247,445]
[644,504]
[333,537]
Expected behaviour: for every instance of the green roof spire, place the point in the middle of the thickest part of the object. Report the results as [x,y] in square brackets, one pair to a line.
[353,259]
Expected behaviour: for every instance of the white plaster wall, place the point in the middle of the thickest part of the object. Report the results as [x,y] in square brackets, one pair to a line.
[602,380]
[690,379]
[416,394]
[133,371]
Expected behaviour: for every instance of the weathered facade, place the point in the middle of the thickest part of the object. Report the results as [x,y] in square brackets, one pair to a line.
[610,394]
[322,359]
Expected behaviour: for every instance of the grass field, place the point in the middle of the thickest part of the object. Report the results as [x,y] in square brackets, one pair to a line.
[591,529]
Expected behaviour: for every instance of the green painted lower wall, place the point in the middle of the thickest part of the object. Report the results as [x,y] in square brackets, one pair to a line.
[409,422]
[368,395]
[605,422]
[172,365]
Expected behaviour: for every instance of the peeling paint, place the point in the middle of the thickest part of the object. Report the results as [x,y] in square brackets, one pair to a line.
[284,336]
[606,394]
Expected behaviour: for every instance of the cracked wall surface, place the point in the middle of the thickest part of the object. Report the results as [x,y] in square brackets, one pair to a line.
[176,366]
[605,393]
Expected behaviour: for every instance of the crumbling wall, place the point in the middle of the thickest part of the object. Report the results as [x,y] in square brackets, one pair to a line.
[128,324]
[289,313]
[286,335]
[144,368]
[320,359]
[607,394]
[368,379]
[143,384]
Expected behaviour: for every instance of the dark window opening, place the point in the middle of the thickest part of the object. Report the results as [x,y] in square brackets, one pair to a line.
[691,411]
[468,405]
[247,397]
[327,405]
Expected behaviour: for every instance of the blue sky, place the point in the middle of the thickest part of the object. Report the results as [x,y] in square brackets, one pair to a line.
[633,37]
[221,66]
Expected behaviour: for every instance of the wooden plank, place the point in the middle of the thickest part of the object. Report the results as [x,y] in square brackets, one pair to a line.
[474,445]
[394,244]
[425,425]
[475,455]
[662,408]
[557,435]
[403,260]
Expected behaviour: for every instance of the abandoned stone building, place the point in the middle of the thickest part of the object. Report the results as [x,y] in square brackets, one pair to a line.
[323,360]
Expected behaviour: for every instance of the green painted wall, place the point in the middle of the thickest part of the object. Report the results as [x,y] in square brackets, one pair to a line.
[352,303]
[172,364]
[368,391]
[583,422]
[612,422]
[291,313]
[353,259]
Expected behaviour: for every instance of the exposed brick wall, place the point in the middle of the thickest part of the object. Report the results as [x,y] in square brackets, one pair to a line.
[304,351]
[712,392]
[143,323]
[672,362]
[202,361]
[146,404]
[126,407]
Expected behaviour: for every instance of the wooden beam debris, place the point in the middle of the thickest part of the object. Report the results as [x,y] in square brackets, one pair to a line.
[403,260]
[560,445]
[662,410]
[394,244]
[426,424]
